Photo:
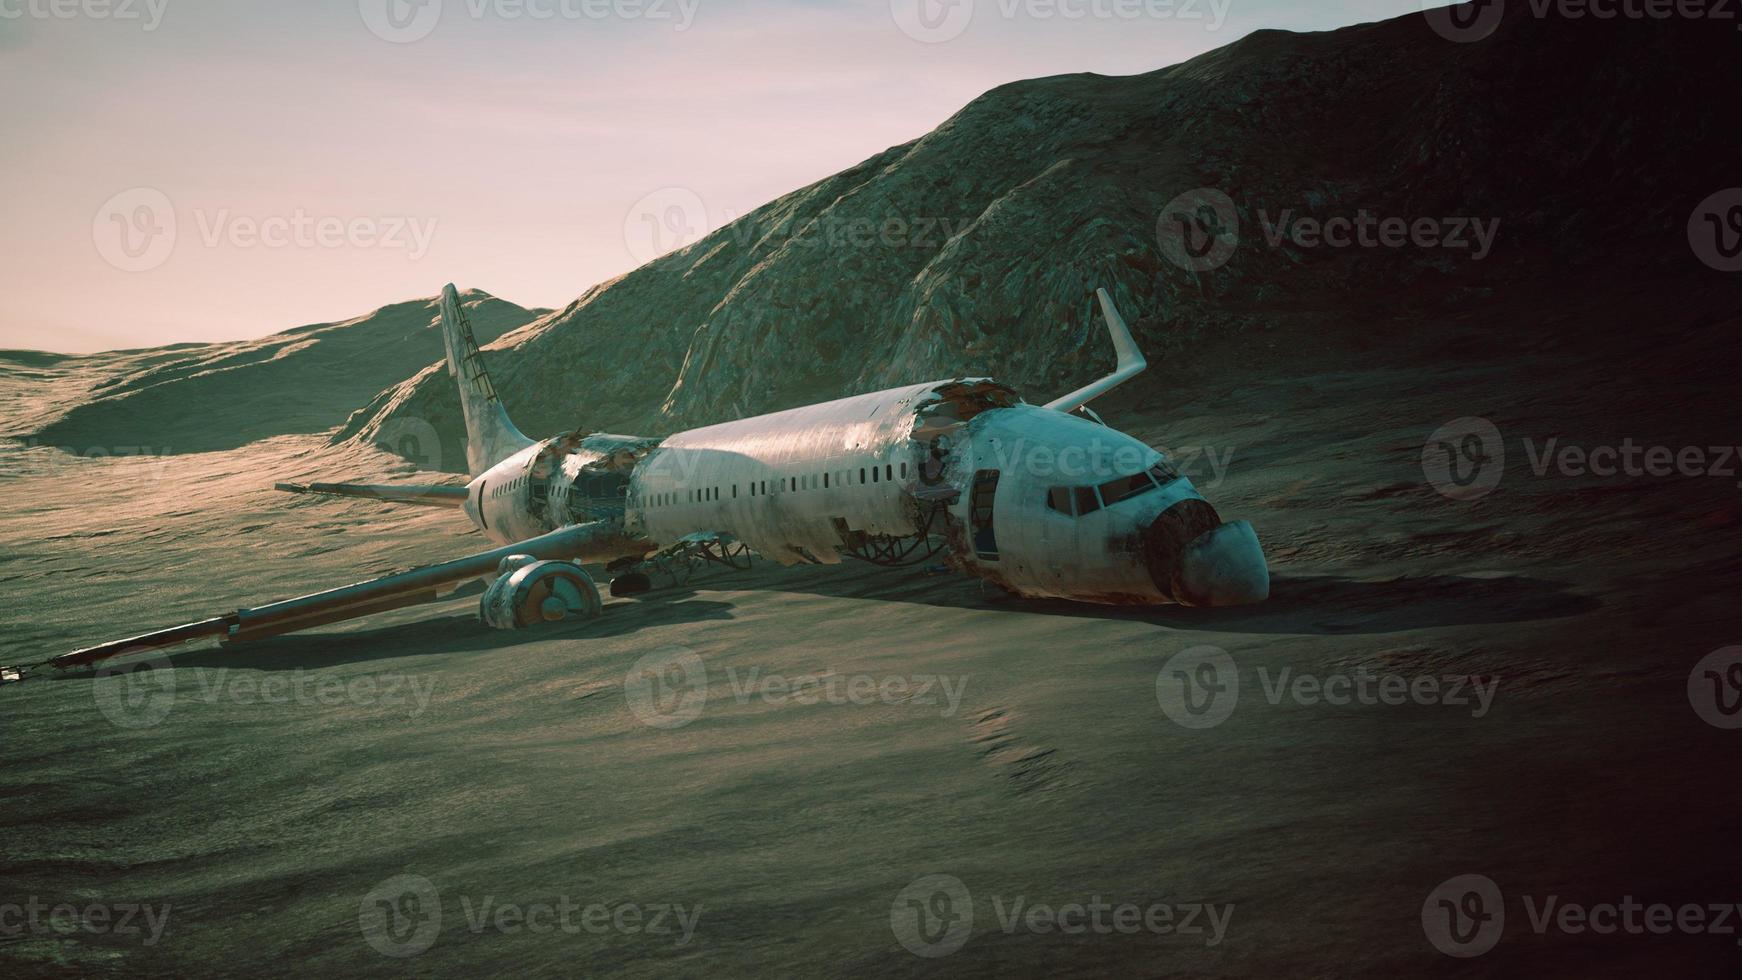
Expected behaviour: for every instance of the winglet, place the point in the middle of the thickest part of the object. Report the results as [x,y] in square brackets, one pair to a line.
[1130,365]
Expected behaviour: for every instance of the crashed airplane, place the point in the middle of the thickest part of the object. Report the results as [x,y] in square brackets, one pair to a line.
[1045,501]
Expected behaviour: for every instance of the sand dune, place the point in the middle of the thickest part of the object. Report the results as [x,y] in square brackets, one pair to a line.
[514,768]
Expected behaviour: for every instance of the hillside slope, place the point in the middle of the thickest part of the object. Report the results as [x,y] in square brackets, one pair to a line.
[977,248]
[203,397]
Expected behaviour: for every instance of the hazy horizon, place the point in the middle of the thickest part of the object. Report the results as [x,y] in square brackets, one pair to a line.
[187,171]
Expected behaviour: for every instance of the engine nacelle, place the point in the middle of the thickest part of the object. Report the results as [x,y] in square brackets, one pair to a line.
[528,592]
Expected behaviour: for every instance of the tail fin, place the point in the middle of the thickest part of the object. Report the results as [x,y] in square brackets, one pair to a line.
[490,437]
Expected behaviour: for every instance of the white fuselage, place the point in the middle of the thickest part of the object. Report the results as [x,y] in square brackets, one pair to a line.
[1045,503]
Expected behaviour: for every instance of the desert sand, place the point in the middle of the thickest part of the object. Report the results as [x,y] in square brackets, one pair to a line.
[258,796]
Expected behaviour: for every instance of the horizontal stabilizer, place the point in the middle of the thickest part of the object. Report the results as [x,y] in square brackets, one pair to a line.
[429,496]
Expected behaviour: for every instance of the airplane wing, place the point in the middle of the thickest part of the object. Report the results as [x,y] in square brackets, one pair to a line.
[1130,365]
[429,496]
[395,591]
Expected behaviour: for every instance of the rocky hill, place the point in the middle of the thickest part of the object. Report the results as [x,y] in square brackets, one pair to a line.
[1579,147]
[202,397]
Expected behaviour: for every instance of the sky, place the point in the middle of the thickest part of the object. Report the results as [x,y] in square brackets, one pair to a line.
[205,170]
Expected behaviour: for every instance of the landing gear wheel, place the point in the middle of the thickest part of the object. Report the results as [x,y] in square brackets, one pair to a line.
[631,583]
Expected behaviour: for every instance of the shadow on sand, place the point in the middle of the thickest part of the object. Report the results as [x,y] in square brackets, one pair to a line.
[1312,605]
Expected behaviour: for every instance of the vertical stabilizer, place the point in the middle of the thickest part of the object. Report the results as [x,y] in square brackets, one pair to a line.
[490,437]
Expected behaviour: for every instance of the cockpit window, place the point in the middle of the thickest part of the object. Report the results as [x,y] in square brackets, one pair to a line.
[1087,502]
[1126,487]
[1059,499]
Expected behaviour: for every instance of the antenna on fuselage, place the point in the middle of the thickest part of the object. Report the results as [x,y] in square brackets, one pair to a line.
[1130,365]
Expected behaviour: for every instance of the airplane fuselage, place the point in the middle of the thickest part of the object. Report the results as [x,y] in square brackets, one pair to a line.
[1044,503]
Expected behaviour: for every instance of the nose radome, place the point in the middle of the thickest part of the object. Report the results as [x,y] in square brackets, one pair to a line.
[1223,566]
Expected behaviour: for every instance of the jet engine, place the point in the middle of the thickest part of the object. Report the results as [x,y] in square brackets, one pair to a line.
[528,591]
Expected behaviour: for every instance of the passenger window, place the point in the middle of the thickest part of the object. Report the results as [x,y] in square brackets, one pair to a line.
[1087,502]
[825,481]
[888,472]
[1059,499]
[861,476]
[873,474]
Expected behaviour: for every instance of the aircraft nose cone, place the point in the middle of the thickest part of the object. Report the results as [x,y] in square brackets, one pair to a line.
[1223,566]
